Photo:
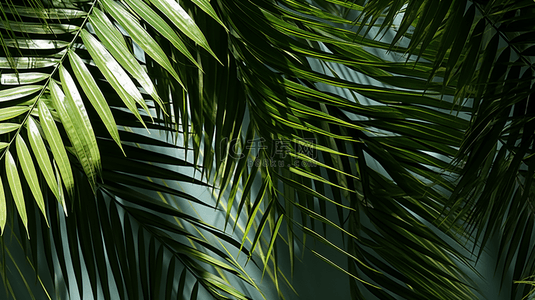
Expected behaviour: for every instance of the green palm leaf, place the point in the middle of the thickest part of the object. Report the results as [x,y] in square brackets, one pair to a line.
[391,132]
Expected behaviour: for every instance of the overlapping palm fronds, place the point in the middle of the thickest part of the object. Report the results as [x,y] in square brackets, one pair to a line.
[261,101]
[485,49]
[72,92]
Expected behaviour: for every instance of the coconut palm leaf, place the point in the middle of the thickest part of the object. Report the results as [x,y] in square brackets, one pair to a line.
[385,141]
[54,111]
[490,63]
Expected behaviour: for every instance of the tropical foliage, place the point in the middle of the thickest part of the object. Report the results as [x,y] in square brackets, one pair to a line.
[382,121]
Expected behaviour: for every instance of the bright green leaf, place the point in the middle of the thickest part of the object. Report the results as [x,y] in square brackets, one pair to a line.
[3,207]
[92,91]
[18,92]
[11,112]
[28,169]
[56,146]
[183,21]
[161,26]
[41,154]
[68,119]
[113,72]
[16,188]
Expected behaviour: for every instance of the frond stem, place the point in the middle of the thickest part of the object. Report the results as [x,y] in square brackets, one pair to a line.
[67,49]
[505,38]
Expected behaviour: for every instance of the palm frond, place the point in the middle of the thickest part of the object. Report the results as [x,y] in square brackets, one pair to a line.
[295,95]
[485,54]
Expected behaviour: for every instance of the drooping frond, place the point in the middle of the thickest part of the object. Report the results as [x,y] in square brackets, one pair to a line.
[75,90]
